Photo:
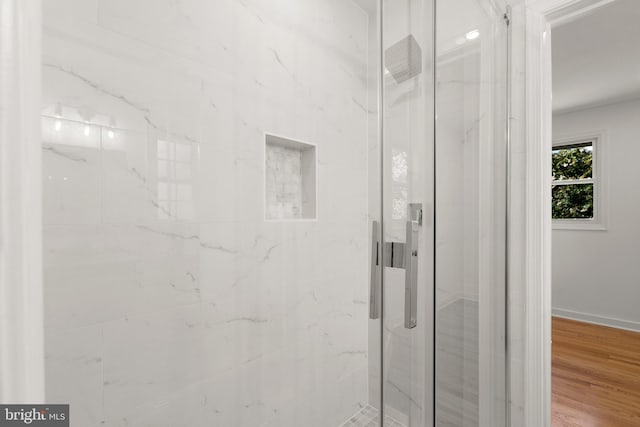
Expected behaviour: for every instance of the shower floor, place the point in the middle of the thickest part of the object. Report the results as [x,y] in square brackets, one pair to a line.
[368,417]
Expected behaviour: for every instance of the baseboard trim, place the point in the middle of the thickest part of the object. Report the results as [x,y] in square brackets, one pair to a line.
[597,320]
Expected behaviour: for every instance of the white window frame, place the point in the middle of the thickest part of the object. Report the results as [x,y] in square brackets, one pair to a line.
[598,220]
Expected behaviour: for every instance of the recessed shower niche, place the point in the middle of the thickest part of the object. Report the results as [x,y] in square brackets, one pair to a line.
[290,179]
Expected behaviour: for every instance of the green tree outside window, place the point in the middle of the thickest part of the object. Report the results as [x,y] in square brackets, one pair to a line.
[572,191]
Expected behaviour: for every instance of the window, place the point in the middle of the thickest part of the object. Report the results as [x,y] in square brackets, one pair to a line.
[574,188]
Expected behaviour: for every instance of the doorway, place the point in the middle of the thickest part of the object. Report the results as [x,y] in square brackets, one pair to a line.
[595,325]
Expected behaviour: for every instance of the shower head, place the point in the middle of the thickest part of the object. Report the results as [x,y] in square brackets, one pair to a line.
[404,59]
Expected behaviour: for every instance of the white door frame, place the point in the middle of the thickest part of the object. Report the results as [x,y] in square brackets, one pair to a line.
[21,307]
[530,207]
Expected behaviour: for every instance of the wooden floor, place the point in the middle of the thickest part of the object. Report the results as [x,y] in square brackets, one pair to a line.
[596,376]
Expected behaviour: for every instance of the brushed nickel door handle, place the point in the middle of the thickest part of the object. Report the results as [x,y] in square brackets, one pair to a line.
[411,266]
[376,268]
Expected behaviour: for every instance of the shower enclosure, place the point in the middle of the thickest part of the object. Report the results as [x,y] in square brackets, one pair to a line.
[275,213]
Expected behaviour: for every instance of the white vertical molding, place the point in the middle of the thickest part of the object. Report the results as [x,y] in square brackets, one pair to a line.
[492,157]
[530,220]
[21,306]
[547,143]
[537,354]
[516,236]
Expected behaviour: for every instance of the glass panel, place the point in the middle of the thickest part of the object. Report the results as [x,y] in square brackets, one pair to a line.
[470,214]
[573,201]
[572,162]
[172,297]
[408,179]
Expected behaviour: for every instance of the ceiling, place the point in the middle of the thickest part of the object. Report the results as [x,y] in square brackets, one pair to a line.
[596,57]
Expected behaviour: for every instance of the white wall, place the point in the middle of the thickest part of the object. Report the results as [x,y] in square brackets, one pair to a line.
[596,274]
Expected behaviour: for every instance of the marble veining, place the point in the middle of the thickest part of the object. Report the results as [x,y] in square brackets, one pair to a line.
[65,155]
[97,86]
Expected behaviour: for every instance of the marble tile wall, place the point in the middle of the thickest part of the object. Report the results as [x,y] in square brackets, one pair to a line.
[168,299]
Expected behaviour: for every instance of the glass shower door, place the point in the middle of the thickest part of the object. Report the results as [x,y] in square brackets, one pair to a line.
[444,170]
[407,46]
[470,189]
